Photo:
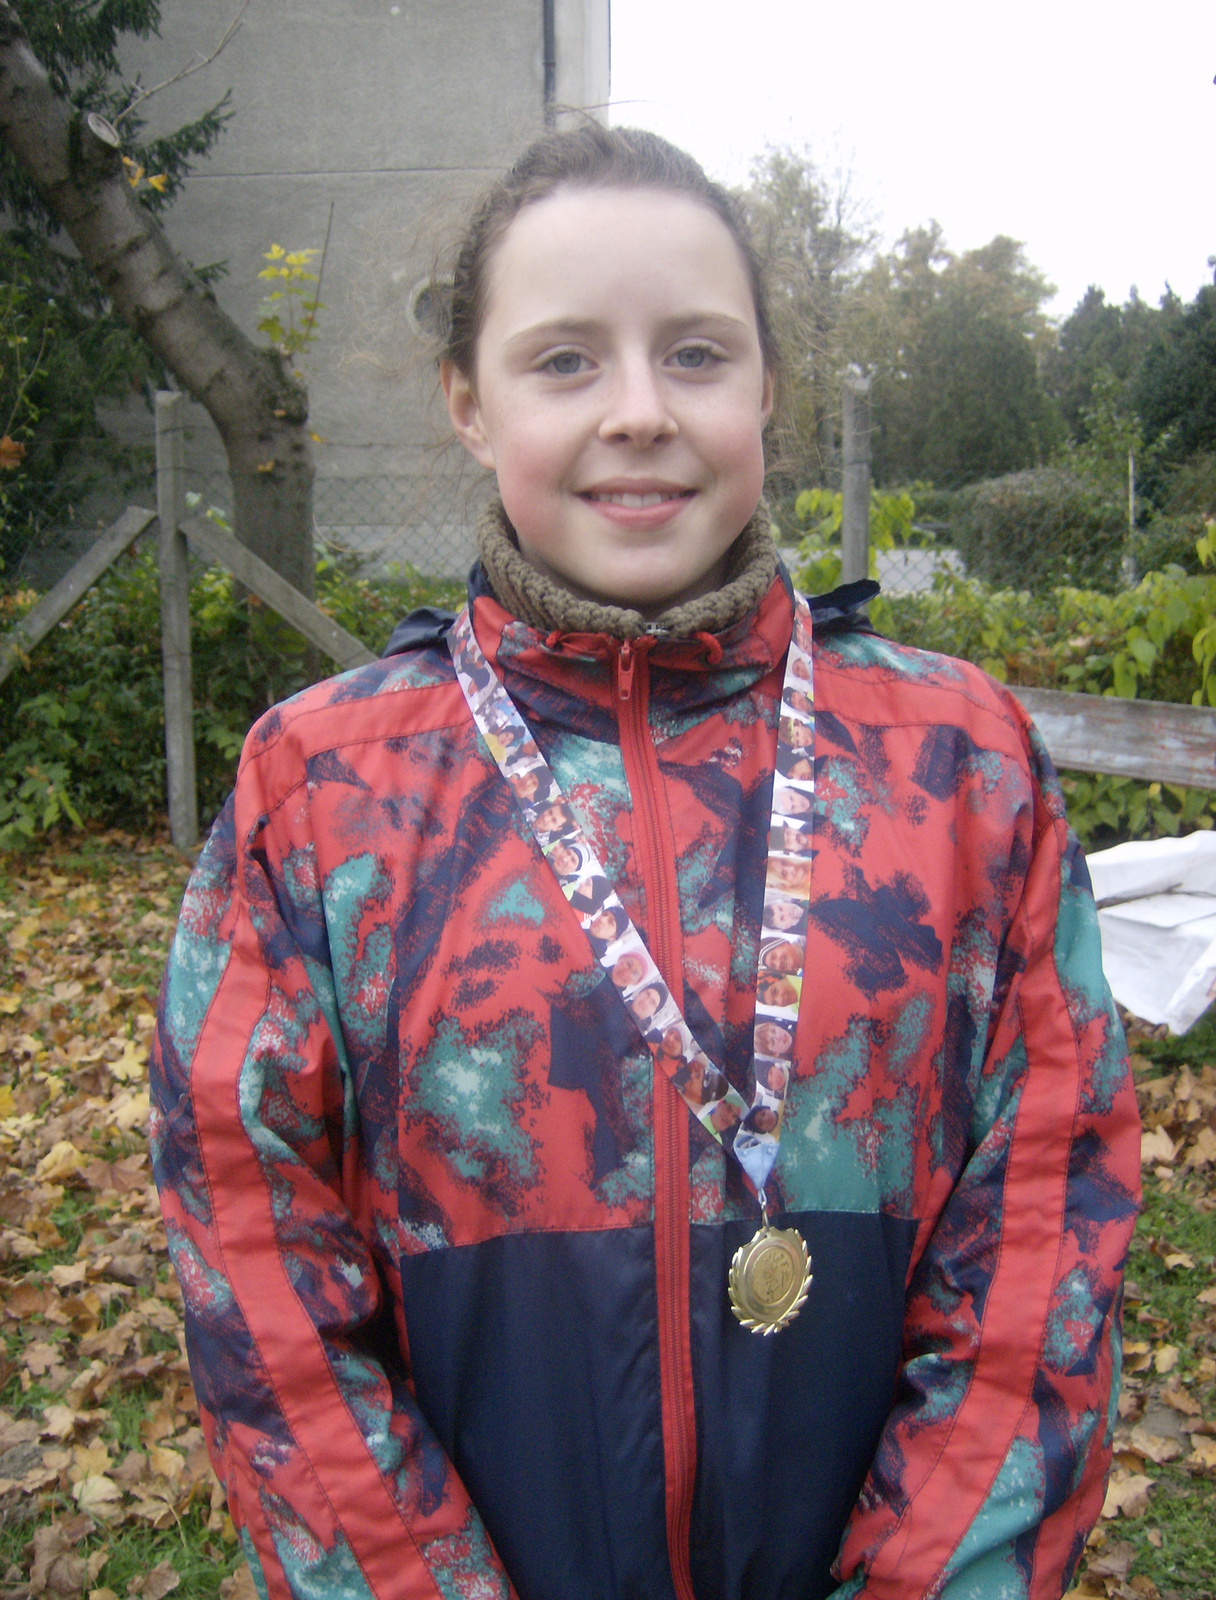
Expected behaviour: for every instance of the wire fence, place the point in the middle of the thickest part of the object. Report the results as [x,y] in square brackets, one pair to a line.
[387,518]
[365,505]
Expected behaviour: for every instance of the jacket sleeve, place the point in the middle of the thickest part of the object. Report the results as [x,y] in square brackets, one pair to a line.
[991,1469]
[335,1483]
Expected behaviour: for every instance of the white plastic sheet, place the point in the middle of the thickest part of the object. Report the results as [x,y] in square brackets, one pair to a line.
[1157,912]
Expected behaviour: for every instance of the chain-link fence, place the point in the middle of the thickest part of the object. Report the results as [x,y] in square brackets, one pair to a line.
[384,506]
[912,571]
[387,520]
[364,504]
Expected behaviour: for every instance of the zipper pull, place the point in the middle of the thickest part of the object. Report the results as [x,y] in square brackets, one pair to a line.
[625,664]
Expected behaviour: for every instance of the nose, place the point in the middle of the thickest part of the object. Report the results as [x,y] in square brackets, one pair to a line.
[637,408]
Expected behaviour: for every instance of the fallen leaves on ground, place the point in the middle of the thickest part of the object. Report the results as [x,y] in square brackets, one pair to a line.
[100,1448]
[1165,1435]
[99,1432]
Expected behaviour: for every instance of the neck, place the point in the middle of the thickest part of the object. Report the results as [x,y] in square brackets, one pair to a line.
[540,600]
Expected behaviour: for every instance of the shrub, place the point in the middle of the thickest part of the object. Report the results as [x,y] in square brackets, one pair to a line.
[1157,641]
[1040,528]
[82,726]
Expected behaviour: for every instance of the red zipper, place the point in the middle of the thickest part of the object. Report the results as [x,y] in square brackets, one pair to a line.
[654,844]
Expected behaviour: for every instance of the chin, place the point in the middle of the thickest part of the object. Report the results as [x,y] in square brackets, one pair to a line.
[658,593]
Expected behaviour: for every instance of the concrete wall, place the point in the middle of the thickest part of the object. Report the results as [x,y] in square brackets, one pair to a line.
[393,112]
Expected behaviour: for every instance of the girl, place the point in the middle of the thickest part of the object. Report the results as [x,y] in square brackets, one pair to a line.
[479,1301]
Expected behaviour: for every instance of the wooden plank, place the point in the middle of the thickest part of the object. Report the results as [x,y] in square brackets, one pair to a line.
[1149,739]
[174,559]
[53,607]
[219,545]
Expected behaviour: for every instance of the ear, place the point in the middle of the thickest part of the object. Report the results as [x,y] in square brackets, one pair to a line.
[766,398]
[465,413]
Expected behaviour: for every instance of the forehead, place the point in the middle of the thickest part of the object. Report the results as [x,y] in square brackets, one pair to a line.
[582,253]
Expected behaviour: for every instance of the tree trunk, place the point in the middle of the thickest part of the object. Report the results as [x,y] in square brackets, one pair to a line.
[259,407]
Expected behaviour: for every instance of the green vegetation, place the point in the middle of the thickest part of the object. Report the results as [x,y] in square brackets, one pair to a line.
[82,727]
[87,356]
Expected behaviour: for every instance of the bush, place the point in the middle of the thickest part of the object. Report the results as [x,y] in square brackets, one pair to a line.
[1040,528]
[1157,641]
[820,512]
[1167,541]
[82,726]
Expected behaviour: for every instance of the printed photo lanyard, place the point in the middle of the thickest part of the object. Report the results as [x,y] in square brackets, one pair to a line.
[770,1276]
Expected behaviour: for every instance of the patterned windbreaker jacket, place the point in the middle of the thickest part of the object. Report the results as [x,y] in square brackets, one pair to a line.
[454,1256]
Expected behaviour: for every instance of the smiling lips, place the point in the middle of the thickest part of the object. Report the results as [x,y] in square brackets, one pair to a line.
[639,508]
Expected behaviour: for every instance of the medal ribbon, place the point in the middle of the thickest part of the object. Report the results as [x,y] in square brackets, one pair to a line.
[751,1133]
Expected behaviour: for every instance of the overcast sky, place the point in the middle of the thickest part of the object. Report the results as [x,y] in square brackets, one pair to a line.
[1086,130]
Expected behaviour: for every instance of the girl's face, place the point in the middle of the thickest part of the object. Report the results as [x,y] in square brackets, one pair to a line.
[620,392]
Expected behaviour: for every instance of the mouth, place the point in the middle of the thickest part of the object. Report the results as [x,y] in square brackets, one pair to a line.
[637,499]
[638,509]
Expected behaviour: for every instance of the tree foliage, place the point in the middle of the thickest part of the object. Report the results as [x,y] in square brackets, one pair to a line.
[815,241]
[1175,388]
[91,355]
[955,342]
[957,394]
[1098,345]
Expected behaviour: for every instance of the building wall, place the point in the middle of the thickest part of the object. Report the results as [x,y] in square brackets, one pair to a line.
[394,113]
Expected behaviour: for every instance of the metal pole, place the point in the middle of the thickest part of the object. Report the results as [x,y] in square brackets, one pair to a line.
[175,620]
[855,480]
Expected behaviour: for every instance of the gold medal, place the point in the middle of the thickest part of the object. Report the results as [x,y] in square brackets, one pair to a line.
[769,1279]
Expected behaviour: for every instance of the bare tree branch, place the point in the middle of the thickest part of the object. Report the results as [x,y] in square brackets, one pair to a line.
[186,72]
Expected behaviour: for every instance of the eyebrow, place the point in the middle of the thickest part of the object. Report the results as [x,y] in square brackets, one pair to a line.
[584,327]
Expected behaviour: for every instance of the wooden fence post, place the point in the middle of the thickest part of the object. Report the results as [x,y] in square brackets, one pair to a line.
[175,620]
[855,459]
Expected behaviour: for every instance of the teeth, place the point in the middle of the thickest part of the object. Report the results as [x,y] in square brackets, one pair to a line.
[633,501]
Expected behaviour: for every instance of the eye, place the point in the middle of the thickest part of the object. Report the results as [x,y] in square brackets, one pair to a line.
[565,363]
[694,357]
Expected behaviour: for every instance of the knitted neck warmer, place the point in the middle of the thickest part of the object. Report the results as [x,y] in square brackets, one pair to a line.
[542,602]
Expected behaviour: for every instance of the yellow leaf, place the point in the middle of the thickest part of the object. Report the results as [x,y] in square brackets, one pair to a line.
[1156,1146]
[1153,1446]
[133,1063]
[24,931]
[168,1463]
[318,438]
[7,1104]
[1179,1258]
[1207,1297]
[1203,1152]
[1128,1493]
[60,1161]
[92,1460]
[275,253]
[9,1003]
[130,1111]
[59,1422]
[1204,1452]
[160,182]
[96,1491]
[266,466]
[1181,1401]
[69,1273]
[1166,1358]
